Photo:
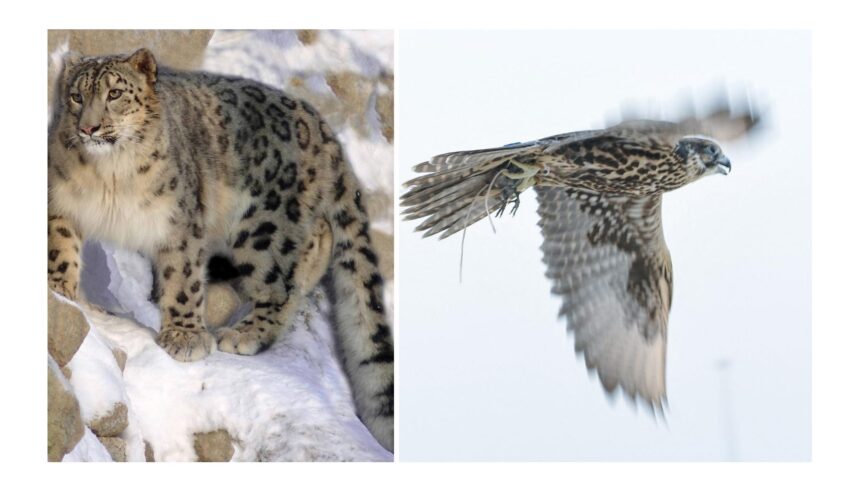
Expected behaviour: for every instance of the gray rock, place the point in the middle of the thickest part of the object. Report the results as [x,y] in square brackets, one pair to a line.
[121,357]
[112,423]
[65,427]
[115,447]
[214,446]
[307,36]
[67,328]
[147,452]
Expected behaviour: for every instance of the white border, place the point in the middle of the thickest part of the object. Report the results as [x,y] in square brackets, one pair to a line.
[835,218]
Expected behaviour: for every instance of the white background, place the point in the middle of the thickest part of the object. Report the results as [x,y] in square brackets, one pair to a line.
[486,370]
[836,103]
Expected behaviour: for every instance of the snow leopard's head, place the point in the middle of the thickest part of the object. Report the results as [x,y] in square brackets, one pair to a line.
[110,100]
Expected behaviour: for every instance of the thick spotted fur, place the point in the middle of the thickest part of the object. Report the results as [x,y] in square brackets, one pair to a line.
[188,166]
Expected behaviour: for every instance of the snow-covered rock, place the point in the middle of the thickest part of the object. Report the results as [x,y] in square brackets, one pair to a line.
[65,428]
[291,402]
[89,449]
[67,330]
[115,446]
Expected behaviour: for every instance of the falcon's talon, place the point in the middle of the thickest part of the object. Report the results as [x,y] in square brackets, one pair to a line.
[516,203]
[508,195]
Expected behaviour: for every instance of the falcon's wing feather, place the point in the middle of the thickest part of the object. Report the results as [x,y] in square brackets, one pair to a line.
[722,125]
[608,261]
[448,196]
[455,191]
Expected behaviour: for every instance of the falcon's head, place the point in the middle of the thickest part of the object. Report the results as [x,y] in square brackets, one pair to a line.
[701,157]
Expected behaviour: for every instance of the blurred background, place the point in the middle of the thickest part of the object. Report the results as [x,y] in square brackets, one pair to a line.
[486,370]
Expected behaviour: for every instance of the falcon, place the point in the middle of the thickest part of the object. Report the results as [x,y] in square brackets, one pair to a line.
[599,198]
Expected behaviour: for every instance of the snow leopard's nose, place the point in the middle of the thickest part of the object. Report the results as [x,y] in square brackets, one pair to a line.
[89,130]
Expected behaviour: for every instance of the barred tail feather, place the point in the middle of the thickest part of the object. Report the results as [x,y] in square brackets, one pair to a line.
[363,332]
[460,188]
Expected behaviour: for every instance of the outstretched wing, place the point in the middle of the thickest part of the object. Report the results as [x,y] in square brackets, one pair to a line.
[608,261]
[721,124]
[460,188]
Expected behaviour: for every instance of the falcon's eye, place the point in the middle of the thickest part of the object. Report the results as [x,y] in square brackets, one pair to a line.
[76,98]
[114,94]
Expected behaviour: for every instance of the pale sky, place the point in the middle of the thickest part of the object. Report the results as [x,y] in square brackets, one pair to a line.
[486,371]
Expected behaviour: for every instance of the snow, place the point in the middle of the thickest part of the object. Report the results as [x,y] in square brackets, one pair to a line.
[291,402]
[272,57]
[372,177]
[96,378]
[89,449]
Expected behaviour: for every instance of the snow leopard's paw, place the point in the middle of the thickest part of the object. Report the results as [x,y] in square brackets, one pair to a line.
[186,345]
[244,341]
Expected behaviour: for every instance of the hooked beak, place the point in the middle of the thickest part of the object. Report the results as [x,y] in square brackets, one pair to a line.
[724,165]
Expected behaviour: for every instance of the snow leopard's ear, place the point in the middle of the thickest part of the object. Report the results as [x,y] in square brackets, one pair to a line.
[143,61]
[70,60]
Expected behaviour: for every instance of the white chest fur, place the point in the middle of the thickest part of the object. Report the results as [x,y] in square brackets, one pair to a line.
[115,209]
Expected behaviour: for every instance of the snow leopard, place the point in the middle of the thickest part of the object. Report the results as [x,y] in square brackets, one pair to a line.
[189,166]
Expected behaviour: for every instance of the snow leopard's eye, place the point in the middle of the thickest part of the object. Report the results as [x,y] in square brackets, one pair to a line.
[114,94]
[76,98]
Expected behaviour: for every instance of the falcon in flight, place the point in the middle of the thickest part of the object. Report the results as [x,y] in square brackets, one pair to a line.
[599,195]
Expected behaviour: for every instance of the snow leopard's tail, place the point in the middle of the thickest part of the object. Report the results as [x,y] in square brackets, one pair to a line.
[363,330]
